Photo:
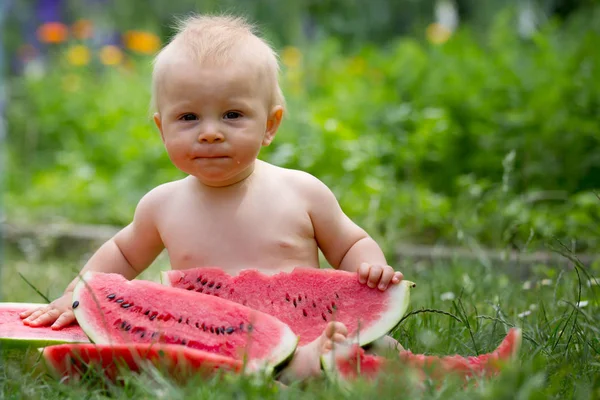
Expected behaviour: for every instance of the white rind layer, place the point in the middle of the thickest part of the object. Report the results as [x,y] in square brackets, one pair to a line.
[399,298]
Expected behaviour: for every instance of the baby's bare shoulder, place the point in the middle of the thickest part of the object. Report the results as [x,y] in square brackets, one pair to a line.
[162,194]
[301,182]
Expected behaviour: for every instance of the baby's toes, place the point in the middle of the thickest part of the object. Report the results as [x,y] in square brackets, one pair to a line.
[334,328]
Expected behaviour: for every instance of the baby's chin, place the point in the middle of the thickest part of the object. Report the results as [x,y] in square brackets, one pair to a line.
[220,177]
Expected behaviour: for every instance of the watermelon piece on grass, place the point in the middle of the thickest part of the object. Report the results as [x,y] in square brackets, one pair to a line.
[112,310]
[75,361]
[306,299]
[348,362]
[15,334]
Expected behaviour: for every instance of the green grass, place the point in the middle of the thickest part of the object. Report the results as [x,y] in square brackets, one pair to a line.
[559,356]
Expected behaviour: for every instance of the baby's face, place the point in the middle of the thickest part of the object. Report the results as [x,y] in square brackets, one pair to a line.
[214,120]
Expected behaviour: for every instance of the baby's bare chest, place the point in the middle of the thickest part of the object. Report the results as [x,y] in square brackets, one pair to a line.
[270,233]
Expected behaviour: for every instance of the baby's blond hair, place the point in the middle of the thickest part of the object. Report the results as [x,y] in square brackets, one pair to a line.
[217,41]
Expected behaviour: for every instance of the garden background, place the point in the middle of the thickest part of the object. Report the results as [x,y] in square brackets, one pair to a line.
[467,124]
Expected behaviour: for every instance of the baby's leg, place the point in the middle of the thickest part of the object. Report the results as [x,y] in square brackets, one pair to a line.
[306,362]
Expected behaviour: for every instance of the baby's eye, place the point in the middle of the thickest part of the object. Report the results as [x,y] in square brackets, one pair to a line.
[188,117]
[232,115]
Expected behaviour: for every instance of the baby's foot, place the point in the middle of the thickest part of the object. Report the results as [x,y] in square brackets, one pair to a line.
[307,359]
[335,332]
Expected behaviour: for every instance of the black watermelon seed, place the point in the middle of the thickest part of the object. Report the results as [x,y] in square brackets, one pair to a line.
[250,327]
[314,304]
[287,297]
[123,325]
[198,279]
[230,330]
[212,329]
[152,317]
[142,335]
[197,325]
[187,321]
[323,316]
[305,313]
[180,319]
[222,329]
[204,328]
[218,286]
[125,305]
[299,298]
[111,296]
[128,327]
[329,310]
[75,304]
[120,301]
[183,342]
[154,334]
[147,312]
[294,302]
[211,284]
[242,327]
[336,296]
[217,331]
[204,281]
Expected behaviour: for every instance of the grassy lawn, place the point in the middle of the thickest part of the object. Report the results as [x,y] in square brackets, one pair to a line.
[559,356]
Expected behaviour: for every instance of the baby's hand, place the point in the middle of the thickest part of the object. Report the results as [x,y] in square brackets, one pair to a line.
[59,313]
[378,275]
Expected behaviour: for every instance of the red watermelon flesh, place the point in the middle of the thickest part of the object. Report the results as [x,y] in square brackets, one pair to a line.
[306,299]
[350,361]
[13,333]
[73,361]
[113,310]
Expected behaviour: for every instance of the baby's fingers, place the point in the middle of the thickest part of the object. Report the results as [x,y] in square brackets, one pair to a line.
[64,319]
[386,277]
[363,273]
[27,313]
[374,275]
[45,318]
[398,276]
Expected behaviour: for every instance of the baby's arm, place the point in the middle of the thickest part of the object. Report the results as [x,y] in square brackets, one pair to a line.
[128,253]
[345,245]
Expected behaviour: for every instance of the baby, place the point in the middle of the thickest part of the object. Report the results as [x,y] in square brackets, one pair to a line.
[218,101]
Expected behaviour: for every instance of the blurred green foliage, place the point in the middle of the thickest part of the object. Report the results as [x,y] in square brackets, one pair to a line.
[486,139]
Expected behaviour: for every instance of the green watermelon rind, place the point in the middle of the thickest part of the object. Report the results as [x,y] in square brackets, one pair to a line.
[279,355]
[398,301]
[31,342]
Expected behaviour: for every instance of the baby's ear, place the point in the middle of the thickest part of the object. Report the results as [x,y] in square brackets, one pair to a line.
[273,122]
[158,123]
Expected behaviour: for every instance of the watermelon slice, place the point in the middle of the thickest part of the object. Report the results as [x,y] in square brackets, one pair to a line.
[306,299]
[74,361]
[348,362]
[113,310]
[15,334]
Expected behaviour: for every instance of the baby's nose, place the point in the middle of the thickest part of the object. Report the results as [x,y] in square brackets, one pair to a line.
[211,136]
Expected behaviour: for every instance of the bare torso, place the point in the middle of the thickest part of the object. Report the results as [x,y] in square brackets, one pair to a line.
[262,222]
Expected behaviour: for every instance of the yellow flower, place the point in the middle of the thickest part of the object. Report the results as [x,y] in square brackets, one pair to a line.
[141,42]
[111,55]
[52,32]
[82,29]
[78,55]
[291,56]
[437,33]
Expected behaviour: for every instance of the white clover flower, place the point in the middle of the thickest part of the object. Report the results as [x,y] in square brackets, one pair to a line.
[582,303]
[533,307]
[526,285]
[447,296]
[546,282]
[524,314]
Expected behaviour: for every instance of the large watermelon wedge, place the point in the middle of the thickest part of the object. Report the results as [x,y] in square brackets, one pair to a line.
[348,362]
[15,334]
[306,299]
[113,310]
[74,361]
